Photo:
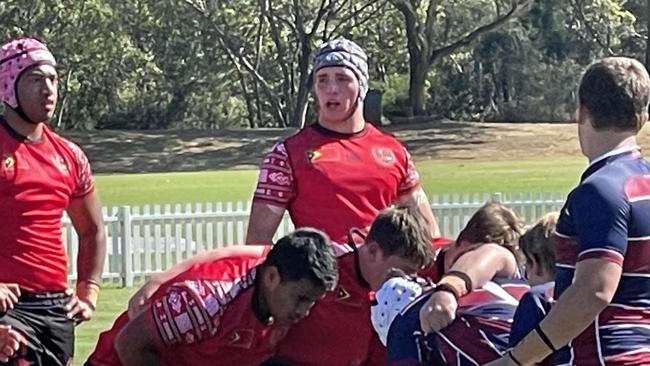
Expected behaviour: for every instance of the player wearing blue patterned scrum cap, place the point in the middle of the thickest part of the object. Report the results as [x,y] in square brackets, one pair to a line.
[341,171]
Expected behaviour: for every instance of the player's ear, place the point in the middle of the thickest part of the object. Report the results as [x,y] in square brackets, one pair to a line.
[374,251]
[271,277]
[582,114]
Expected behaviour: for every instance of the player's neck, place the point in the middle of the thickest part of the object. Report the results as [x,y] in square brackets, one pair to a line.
[356,123]
[361,260]
[30,131]
[260,308]
[604,142]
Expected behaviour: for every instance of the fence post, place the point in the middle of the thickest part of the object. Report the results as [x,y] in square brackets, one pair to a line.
[496,197]
[124,216]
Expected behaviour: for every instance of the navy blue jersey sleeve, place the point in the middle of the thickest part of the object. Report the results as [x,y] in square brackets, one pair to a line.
[531,310]
[401,343]
[601,211]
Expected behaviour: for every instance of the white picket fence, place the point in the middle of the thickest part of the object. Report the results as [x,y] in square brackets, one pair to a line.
[159,236]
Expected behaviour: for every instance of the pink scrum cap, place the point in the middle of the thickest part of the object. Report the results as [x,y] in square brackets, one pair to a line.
[16,56]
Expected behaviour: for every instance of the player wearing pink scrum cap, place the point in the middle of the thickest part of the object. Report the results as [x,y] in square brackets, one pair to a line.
[41,176]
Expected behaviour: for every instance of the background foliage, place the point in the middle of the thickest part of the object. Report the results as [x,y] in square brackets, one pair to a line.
[146,64]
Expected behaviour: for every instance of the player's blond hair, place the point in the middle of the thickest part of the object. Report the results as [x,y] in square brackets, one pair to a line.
[536,243]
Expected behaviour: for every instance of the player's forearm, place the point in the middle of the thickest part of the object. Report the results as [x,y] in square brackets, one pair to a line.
[262,223]
[417,198]
[427,213]
[92,252]
[566,320]
[590,293]
[483,264]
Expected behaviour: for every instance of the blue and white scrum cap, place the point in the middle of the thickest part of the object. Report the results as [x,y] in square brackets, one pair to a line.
[343,52]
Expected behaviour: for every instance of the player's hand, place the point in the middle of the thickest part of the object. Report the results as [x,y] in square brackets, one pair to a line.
[10,342]
[140,299]
[79,310]
[438,312]
[9,294]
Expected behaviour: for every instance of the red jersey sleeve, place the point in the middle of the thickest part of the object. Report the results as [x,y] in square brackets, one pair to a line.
[187,313]
[275,182]
[411,179]
[84,178]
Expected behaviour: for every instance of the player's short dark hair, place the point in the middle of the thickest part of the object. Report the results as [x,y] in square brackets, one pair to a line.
[493,223]
[616,92]
[402,231]
[305,253]
[536,243]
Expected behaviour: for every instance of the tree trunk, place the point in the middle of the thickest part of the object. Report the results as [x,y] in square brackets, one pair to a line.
[250,109]
[417,79]
[303,86]
[416,90]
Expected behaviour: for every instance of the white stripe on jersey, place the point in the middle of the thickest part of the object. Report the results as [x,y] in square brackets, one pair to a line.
[458,350]
[640,198]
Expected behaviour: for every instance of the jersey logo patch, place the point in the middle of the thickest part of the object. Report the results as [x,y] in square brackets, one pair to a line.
[8,162]
[7,166]
[342,294]
[313,155]
[384,156]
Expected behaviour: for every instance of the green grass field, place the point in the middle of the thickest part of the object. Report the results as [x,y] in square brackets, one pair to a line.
[438,177]
[112,301]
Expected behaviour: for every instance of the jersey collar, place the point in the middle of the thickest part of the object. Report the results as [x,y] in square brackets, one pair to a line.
[327,132]
[355,249]
[15,134]
[631,151]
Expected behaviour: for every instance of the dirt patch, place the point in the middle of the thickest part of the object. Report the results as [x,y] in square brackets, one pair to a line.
[195,150]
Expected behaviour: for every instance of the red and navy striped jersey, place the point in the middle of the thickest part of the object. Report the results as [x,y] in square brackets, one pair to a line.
[608,217]
[533,307]
[478,335]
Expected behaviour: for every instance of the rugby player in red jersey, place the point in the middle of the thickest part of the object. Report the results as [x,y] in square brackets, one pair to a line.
[229,307]
[41,176]
[341,171]
[338,331]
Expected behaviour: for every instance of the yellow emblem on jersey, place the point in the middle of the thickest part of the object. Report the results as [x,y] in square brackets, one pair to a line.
[8,161]
[234,337]
[342,294]
[313,155]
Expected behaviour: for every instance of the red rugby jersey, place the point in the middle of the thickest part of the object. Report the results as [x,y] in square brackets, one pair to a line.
[333,181]
[204,317]
[37,182]
[338,331]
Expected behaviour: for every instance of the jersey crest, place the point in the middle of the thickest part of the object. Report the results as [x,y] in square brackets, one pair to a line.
[342,294]
[8,161]
[384,156]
